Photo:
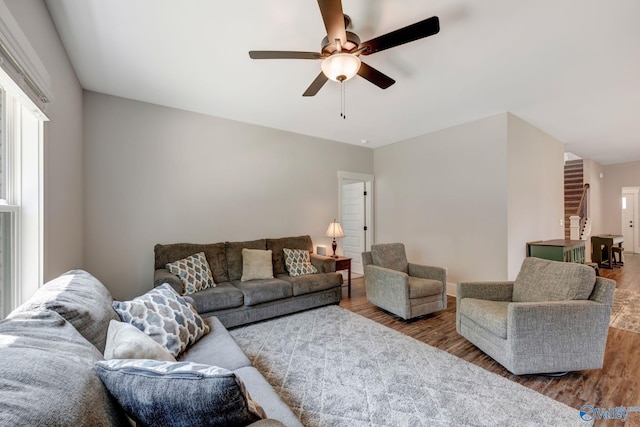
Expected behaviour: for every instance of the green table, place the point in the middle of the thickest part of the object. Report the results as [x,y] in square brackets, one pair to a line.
[559,250]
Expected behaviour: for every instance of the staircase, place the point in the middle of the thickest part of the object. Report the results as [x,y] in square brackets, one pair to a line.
[573,187]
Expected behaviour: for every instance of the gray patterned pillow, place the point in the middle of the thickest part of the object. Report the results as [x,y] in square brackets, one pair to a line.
[298,262]
[156,393]
[165,316]
[194,271]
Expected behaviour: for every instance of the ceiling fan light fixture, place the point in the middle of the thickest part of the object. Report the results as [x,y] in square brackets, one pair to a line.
[340,67]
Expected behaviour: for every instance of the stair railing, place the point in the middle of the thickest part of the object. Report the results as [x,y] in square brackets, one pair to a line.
[582,207]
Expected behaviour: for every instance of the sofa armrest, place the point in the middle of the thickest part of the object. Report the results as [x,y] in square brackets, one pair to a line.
[163,275]
[493,291]
[388,289]
[324,264]
[563,328]
[428,272]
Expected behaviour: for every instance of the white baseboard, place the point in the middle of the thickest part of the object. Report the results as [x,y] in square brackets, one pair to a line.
[451,289]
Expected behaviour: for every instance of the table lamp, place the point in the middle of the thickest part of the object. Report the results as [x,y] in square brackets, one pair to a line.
[334,230]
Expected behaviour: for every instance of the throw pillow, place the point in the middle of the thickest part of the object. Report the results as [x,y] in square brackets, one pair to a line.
[256,264]
[165,316]
[298,262]
[156,393]
[194,272]
[125,341]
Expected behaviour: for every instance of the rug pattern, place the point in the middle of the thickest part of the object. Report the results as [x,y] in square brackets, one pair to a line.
[626,311]
[337,368]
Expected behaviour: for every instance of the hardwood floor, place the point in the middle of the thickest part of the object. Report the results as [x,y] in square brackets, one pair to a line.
[616,384]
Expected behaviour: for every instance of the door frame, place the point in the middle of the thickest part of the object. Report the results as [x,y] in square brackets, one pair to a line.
[369,214]
[636,235]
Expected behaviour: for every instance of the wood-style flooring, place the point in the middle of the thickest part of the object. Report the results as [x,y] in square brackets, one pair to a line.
[616,384]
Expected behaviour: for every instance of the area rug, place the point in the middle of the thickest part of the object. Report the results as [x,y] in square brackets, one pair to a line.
[626,311]
[337,368]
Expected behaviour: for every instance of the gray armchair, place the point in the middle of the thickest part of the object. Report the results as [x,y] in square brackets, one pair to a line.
[400,287]
[553,318]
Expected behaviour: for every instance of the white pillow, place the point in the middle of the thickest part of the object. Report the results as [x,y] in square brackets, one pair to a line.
[125,341]
[256,264]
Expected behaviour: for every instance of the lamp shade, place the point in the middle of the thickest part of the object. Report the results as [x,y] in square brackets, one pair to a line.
[335,230]
[340,67]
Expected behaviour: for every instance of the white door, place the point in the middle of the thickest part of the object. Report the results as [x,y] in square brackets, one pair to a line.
[353,223]
[629,206]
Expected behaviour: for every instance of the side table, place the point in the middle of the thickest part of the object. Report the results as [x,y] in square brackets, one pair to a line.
[344,263]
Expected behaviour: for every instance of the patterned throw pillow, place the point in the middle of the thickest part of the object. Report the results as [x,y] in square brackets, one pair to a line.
[156,393]
[165,316]
[298,262]
[194,272]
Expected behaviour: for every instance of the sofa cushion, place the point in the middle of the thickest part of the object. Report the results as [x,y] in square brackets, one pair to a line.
[194,272]
[544,280]
[154,393]
[47,376]
[125,341]
[277,246]
[390,255]
[256,264]
[223,296]
[214,252]
[234,255]
[79,298]
[297,262]
[165,316]
[490,315]
[217,348]
[259,291]
[419,288]
[302,285]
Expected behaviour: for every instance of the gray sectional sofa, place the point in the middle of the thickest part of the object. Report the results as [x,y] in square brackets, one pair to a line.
[49,345]
[235,302]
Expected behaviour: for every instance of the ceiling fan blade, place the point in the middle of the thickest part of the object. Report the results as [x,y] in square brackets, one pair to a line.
[333,18]
[425,28]
[374,76]
[316,85]
[282,54]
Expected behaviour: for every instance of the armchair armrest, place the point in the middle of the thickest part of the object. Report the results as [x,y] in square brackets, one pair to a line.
[163,275]
[428,272]
[494,291]
[324,264]
[568,328]
[388,289]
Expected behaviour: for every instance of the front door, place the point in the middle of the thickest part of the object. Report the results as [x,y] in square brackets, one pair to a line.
[628,215]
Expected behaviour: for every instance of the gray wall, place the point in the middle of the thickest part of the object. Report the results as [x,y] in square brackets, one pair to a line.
[535,188]
[160,175]
[469,197]
[616,177]
[444,195]
[63,204]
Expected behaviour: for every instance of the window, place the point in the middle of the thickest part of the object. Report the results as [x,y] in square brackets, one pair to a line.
[21,228]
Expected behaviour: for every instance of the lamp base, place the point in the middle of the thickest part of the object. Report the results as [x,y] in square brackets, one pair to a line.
[334,245]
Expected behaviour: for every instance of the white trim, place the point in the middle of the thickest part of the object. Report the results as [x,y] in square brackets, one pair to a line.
[15,40]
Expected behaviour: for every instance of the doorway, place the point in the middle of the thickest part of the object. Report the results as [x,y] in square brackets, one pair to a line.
[356,216]
[629,219]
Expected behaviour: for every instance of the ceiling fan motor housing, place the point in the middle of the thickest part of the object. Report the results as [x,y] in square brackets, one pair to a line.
[352,43]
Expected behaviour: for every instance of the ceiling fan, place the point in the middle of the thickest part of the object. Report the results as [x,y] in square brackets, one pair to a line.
[341,49]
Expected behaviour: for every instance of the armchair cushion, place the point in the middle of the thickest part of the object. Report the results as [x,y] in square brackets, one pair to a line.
[490,315]
[543,280]
[390,255]
[419,288]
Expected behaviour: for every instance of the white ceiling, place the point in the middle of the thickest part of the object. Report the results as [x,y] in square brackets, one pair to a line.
[570,67]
